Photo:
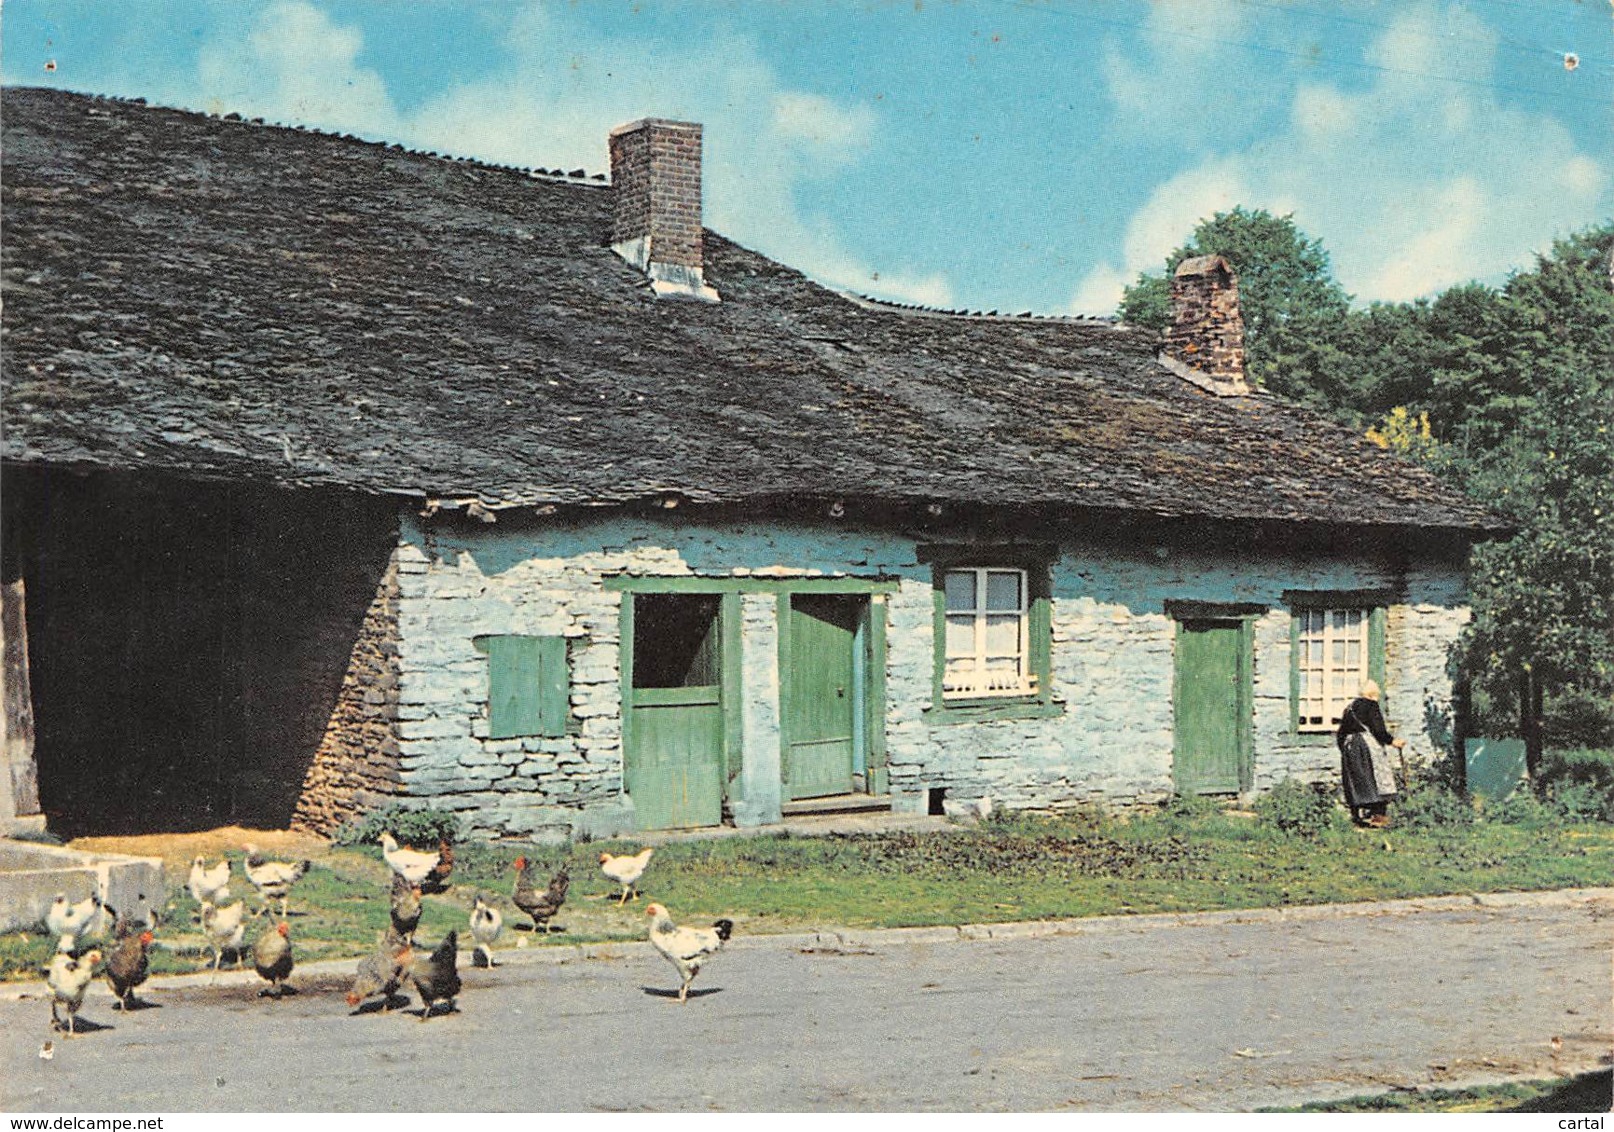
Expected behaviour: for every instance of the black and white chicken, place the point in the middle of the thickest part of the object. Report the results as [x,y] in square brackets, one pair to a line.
[686,948]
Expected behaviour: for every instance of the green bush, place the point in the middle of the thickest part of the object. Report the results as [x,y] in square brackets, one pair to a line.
[412,825]
[1192,807]
[1428,801]
[1306,809]
[1520,808]
[1579,784]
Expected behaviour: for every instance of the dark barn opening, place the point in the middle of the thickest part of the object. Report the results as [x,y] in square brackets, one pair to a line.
[186,641]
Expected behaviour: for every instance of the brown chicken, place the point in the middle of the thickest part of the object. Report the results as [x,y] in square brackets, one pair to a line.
[271,958]
[437,879]
[435,977]
[541,906]
[406,907]
[127,964]
[383,971]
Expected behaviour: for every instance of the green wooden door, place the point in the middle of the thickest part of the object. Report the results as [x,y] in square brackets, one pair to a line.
[1211,698]
[675,774]
[822,698]
[674,721]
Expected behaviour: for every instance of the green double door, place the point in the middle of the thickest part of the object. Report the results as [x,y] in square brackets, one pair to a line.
[1212,707]
[824,688]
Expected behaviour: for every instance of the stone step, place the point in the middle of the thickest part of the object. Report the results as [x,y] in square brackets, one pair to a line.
[838,804]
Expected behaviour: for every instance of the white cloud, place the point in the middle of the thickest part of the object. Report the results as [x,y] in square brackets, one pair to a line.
[551,100]
[1161,80]
[295,65]
[1412,183]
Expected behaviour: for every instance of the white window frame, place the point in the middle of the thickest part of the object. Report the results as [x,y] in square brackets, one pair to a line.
[1337,682]
[981,683]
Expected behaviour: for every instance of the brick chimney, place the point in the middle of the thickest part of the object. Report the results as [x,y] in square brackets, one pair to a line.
[656,179]
[1205,343]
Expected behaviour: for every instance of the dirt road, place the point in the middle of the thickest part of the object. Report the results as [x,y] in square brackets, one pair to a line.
[1149,1013]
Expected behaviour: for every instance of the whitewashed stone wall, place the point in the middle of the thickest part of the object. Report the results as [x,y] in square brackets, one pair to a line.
[1112,666]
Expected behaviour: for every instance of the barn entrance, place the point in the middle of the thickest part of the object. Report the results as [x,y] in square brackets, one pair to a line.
[186,642]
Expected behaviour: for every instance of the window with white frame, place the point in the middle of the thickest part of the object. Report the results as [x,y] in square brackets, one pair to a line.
[1332,663]
[988,634]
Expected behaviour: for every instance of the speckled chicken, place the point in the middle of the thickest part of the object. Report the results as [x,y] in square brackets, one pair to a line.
[438,879]
[225,928]
[541,906]
[127,963]
[383,971]
[435,977]
[271,958]
[406,907]
[273,879]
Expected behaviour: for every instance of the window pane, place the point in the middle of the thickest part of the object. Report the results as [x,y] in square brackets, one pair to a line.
[961,635]
[1003,635]
[960,590]
[1003,590]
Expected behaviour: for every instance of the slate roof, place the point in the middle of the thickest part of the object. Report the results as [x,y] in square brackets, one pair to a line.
[217,298]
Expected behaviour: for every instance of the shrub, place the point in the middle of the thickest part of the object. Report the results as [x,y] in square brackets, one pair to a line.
[1306,809]
[1428,801]
[1521,808]
[409,824]
[1579,785]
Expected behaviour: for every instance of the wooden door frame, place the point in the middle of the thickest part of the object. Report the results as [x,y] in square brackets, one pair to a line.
[868,707]
[728,666]
[1241,618]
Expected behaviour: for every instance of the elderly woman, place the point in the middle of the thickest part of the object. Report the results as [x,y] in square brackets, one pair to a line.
[1362,791]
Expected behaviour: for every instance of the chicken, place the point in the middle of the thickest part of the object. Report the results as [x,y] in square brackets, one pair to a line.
[437,879]
[271,958]
[541,906]
[86,918]
[225,928]
[68,979]
[406,907]
[434,975]
[383,971]
[210,885]
[486,924]
[686,948]
[411,864]
[127,963]
[273,879]
[626,871]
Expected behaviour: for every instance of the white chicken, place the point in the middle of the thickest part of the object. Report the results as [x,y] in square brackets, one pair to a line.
[225,928]
[411,864]
[626,871]
[272,879]
[210,885]
[486,924]
[686,948]
[68,979]
[86,918]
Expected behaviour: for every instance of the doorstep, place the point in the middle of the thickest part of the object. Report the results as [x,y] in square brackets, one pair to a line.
[838,804]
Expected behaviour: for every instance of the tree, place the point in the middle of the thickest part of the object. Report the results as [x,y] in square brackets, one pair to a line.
[1295,313]
[1542,454]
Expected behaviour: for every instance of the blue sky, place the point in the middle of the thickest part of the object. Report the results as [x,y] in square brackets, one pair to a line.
[988,155]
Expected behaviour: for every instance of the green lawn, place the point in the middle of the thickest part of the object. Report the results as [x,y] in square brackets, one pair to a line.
[1019,868]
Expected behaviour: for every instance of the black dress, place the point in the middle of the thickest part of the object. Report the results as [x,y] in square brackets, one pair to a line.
[1361,718]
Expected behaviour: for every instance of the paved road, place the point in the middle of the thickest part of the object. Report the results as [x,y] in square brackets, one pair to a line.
[1148,1013]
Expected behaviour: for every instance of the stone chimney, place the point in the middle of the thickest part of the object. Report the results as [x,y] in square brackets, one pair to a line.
[1205,343]
[656,180]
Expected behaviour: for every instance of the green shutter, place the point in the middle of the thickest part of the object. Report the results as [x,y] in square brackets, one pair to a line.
[1375,645]
[554,687]
[1294,672]
[527,687]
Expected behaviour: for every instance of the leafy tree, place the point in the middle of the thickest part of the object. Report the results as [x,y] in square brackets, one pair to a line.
[1544,600]
[1293,308]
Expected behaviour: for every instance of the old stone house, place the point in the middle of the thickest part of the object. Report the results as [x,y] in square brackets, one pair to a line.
[337,474]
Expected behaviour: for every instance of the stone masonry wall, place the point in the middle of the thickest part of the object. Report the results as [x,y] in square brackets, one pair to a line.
[1111,741]
[355,767]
